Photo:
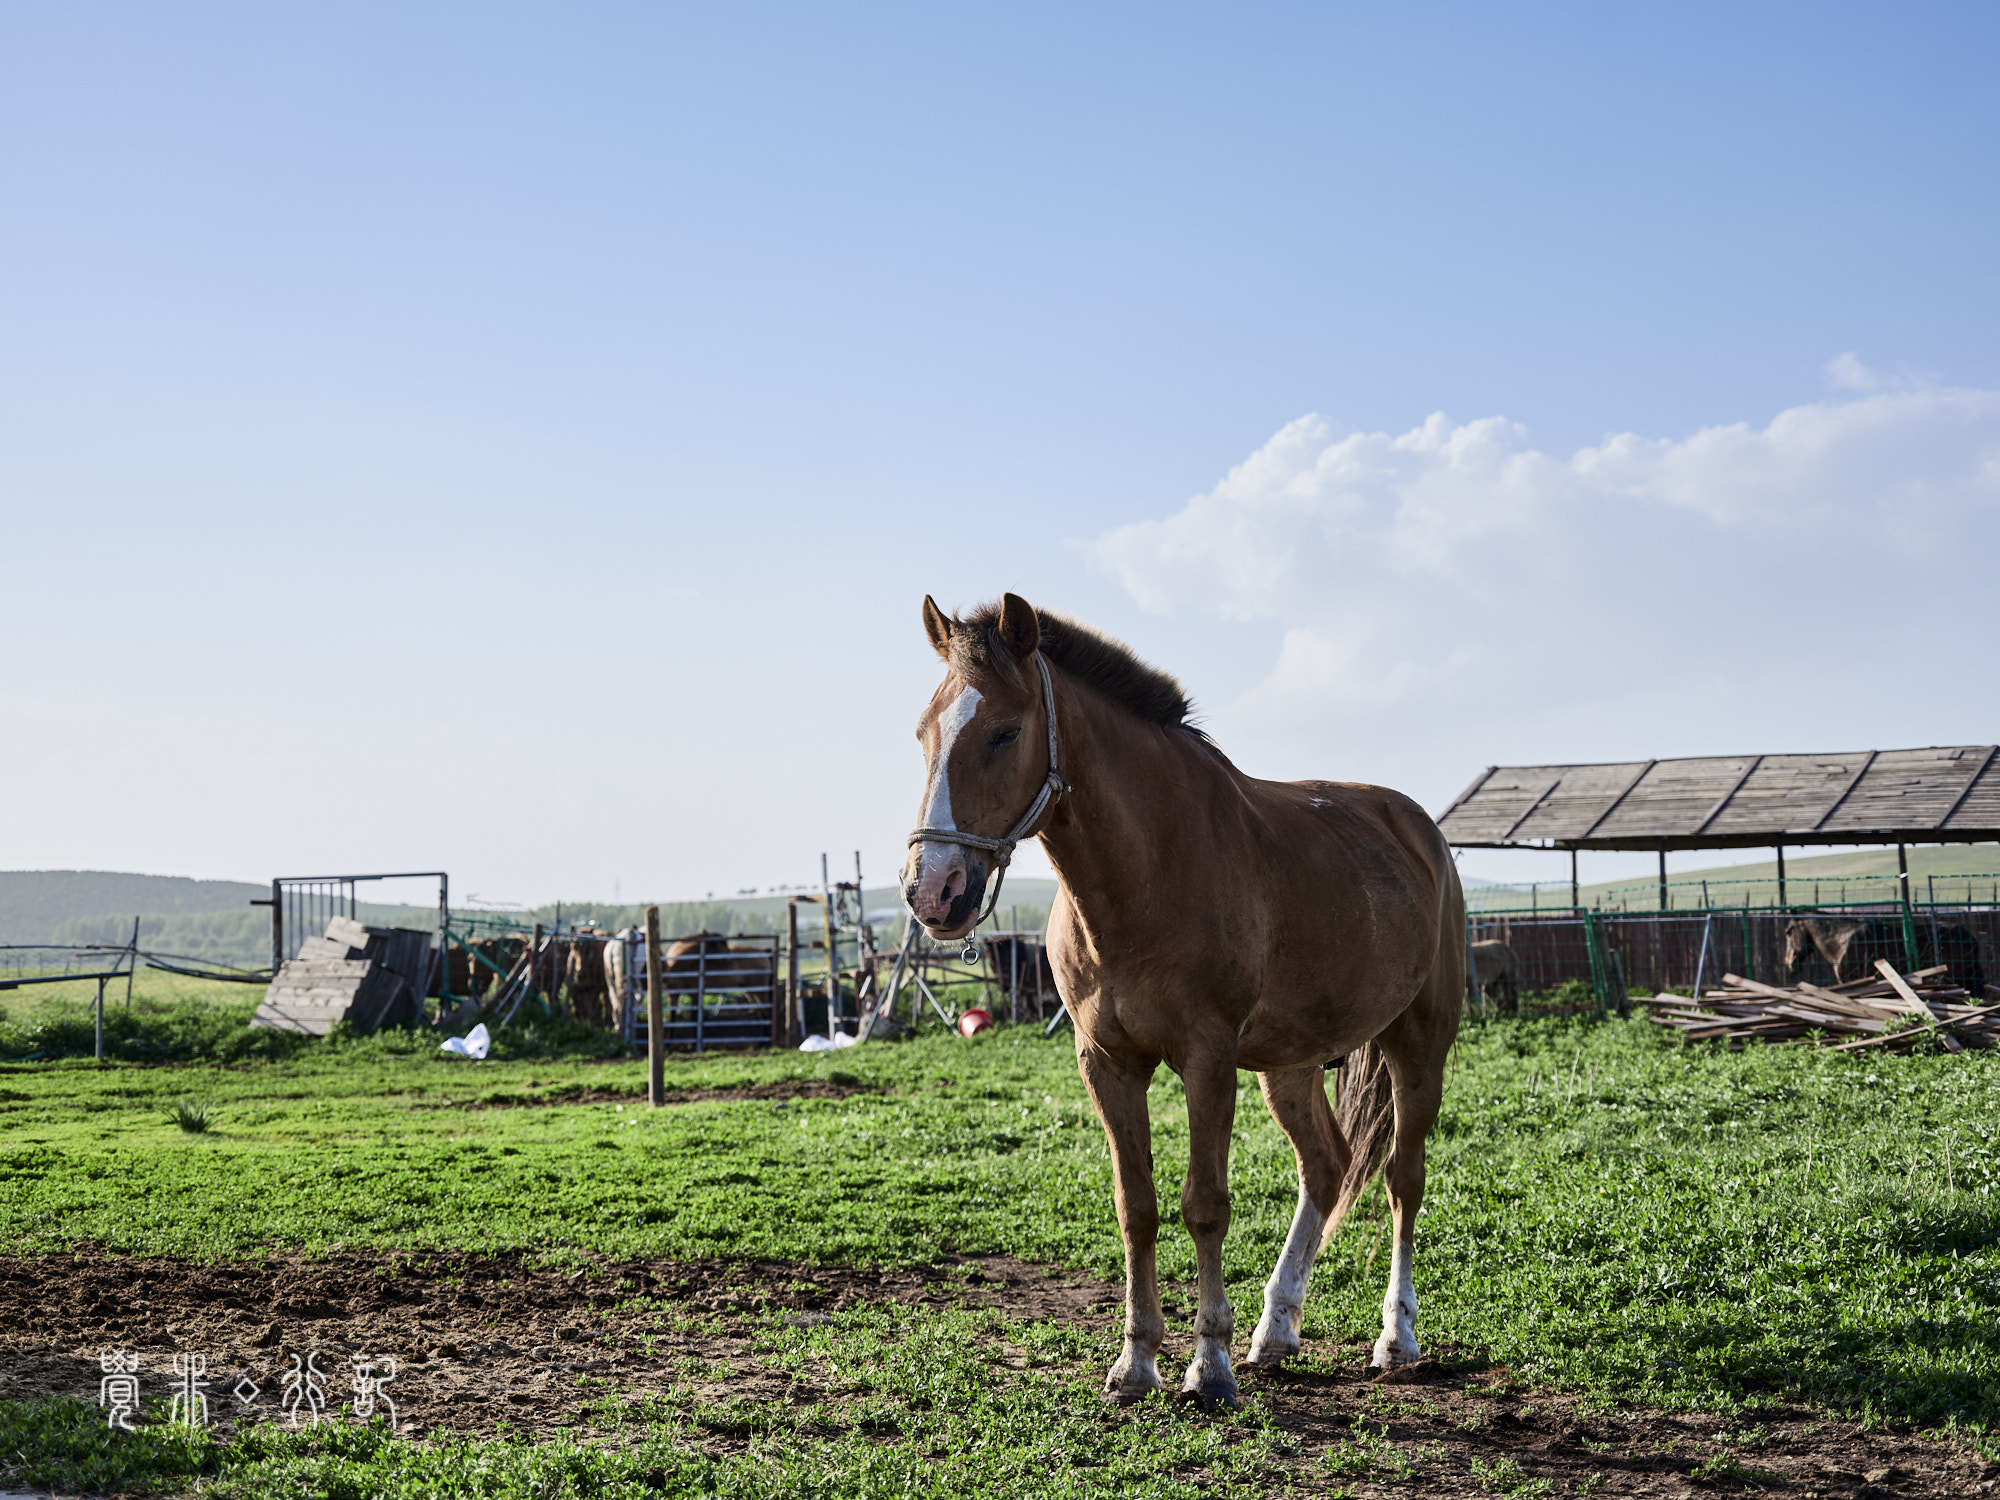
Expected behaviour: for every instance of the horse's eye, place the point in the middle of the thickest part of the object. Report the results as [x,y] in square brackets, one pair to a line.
[1006,737]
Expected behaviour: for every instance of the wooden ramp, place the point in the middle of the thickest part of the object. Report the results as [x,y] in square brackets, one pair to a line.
[370,977]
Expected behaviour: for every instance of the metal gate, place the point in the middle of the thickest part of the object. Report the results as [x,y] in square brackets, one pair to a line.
[725,993]
[302,905]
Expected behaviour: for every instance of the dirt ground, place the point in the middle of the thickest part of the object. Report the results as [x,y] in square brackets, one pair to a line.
[482,1341]
[579,1093]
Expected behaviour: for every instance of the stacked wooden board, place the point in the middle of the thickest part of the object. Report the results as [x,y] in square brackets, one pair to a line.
[370,977]
[1888,1009]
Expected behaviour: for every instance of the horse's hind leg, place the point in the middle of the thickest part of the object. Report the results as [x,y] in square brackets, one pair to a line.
[1416,1047]
[1296,1098]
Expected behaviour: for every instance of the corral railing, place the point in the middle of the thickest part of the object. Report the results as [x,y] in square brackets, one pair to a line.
[1646,952]
[729,997]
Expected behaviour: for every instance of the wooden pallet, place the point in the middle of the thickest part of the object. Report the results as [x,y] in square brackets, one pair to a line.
[1888,1010]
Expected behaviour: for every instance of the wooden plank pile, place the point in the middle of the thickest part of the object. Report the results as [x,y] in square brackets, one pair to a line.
[1888,1009]
[369,976]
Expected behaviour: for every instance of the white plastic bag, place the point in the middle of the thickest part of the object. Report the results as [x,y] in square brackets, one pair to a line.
[826,1044]
[473,1044]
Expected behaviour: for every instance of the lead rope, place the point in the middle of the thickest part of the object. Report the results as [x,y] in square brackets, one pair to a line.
[1054,788]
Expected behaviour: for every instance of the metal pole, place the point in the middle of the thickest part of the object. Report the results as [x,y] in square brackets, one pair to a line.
[277,928]
[535,959]
[1782,900]
[100,1018]
[444,945]
[1701,963]
[1574,900]
[832,949]
[1663,875]
[886,1004]
[700,990]
[656,1050]
[797,1002]
[132,966]
[1474,992]
[1014,977]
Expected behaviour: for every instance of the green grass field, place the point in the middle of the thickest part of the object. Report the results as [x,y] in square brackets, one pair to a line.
[1610,1213]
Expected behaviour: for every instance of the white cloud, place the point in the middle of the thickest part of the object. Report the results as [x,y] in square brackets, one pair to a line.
[1846,372]
[1818,581]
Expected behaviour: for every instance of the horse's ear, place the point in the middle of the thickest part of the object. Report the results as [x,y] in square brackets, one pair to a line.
[937,625]
[1020,629]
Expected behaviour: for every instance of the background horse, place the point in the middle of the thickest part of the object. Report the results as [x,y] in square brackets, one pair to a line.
[1209,921]
[1497,972]
[1850,946]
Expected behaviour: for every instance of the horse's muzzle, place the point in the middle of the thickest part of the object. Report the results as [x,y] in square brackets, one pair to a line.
[945,887]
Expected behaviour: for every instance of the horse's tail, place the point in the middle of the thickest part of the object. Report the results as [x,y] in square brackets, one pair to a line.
[1365,1111]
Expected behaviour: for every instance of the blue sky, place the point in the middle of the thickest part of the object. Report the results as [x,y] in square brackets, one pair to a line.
[412,417]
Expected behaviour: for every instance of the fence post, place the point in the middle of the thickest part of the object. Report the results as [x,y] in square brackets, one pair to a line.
[1909,921]
[832,949]
[656,1048]
[1593,941]
[1701,963]
[700,991]
[277,928]
[1474,994]
[796,1003]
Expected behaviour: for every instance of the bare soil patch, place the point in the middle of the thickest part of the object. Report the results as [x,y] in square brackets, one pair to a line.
[483,1342]
[580,1093]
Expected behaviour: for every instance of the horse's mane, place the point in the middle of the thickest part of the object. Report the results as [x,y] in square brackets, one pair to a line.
[1094,658]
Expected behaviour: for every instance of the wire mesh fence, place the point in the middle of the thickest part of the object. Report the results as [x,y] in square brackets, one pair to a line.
[1764,892]
[1614,951]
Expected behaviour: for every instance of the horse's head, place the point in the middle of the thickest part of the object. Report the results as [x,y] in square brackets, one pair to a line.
[985,741]
[1798,942]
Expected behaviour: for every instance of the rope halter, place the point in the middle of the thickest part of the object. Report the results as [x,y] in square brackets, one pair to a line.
[1052,790]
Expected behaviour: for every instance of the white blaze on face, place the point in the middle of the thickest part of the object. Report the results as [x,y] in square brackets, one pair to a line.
[936,857]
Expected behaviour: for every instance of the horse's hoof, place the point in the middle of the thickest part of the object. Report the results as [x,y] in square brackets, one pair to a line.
[1212,1395]
[1270,1349]
[1127,1395]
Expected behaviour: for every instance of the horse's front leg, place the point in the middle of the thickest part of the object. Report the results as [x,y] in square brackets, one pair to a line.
[1211,1099]
[1119,1092]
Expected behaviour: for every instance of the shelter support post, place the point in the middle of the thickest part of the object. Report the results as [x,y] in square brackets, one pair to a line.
[1663,875]
[656,1041]
[1782,901]
[1903,900]
[1574,901]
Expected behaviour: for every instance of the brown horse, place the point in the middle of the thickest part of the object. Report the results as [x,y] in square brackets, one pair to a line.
[1497,973]
[1209,921]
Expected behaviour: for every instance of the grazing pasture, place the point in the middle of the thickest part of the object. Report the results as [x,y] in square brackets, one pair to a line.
[890,1270]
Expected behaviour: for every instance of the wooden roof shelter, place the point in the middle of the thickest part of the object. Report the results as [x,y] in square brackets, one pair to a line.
[1942,794]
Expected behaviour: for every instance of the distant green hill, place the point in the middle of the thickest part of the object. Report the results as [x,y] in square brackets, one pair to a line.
[33,902]
[213,919]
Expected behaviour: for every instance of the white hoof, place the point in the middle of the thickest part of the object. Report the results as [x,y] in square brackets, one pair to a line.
[1276,1339]
[1392,1352]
